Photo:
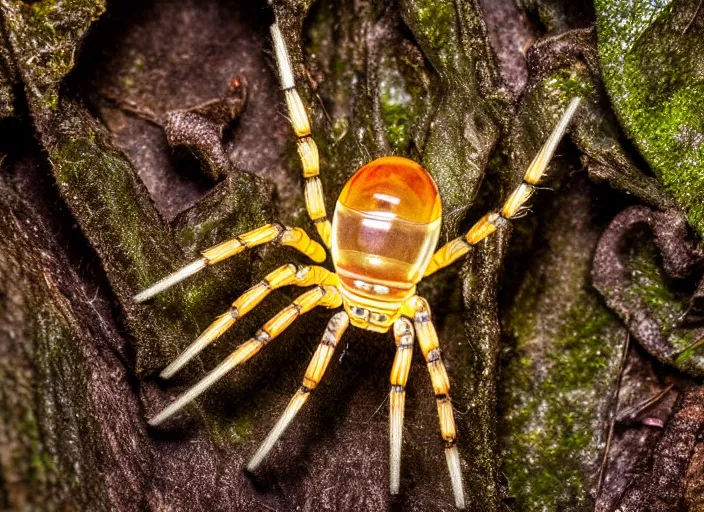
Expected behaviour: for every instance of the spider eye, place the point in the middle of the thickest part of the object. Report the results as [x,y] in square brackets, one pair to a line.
[386,226]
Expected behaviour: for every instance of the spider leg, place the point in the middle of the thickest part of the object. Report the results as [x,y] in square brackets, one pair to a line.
[307,149]
[293,237]
[429,345]
[316,368]
[327,296]
[403,334]
[283,276]
[514,205]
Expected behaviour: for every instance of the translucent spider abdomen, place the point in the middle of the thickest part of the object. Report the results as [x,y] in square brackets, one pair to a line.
[385,229]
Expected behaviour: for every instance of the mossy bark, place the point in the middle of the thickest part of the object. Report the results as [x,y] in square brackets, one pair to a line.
[95,205]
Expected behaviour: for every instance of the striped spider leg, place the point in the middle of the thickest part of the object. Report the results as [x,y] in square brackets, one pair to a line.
[514,205]
[324,294]
[307,149]
[316,368]
[320,295]
[418,309]
[403,335]
[430,346]
[292,237]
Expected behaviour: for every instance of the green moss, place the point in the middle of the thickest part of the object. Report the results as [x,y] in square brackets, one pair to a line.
[41,464]
[52,100]
[561,360]
[691,354]
[198,231]
[551,419]
[205,228]
[397,106]
[396,117]
[655,76]
[571,83]
[88,173]
[433,18]
[241,429]
[653,289]
[120,221]
[187,236]
[137,249]
[651,285]
[47,32]
[64,434]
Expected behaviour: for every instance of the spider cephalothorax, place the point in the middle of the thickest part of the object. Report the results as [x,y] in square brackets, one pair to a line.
[384,231]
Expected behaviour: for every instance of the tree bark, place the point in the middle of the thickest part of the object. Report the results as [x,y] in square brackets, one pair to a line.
[136,134]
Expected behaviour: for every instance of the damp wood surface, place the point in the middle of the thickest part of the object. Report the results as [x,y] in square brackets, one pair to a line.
[134,135]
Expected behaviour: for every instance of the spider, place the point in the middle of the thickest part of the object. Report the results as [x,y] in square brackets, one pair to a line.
[384,230]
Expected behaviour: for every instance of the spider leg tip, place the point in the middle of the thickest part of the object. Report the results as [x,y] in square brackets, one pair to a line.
[574,104]
[154,421]
[453,464]
[163,415]
[168,372]
[459,500]
[141,297]
[175,366]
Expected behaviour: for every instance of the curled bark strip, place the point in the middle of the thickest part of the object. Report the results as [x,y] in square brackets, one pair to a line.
[662,487]
[679,254]
[650,311]
[200,128]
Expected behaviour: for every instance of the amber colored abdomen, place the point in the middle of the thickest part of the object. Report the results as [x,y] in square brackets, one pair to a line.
[385,229]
